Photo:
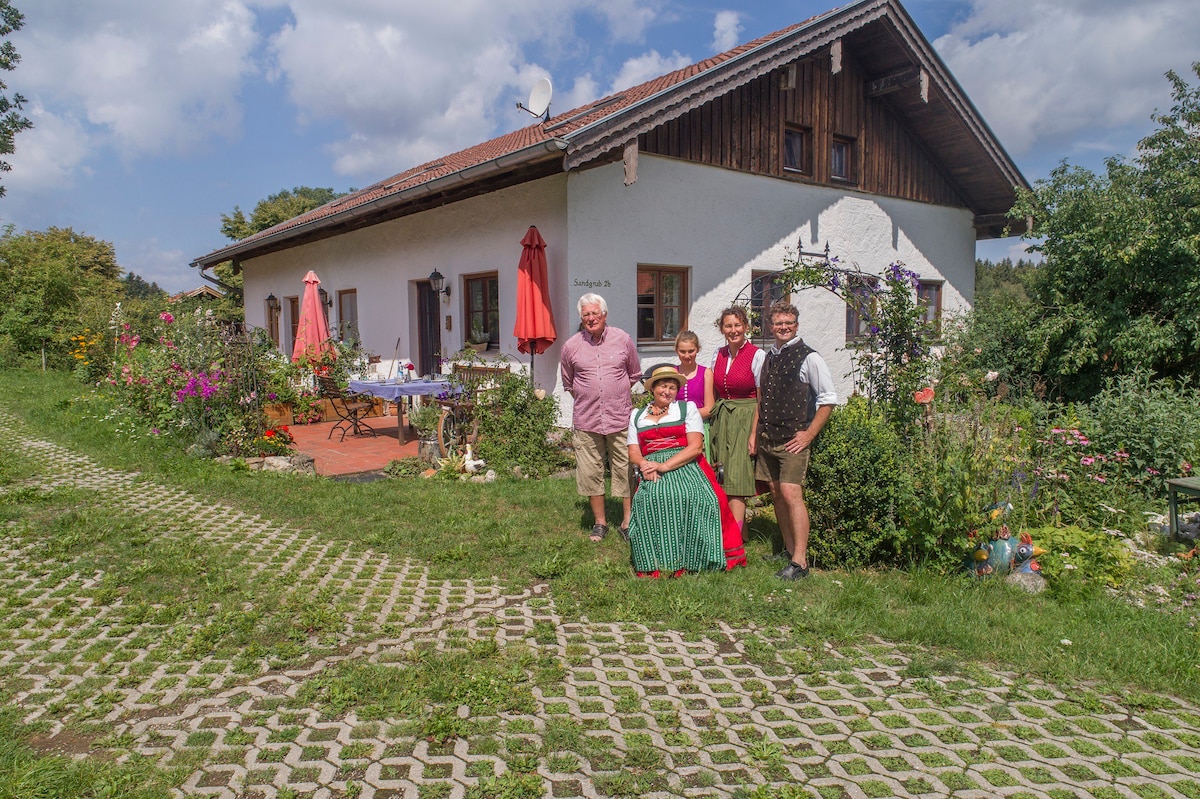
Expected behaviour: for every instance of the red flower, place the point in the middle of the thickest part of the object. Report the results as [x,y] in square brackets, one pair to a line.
[269,434]
[924,396]
[410,367]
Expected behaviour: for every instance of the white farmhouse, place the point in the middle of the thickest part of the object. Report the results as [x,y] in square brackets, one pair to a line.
[669,199]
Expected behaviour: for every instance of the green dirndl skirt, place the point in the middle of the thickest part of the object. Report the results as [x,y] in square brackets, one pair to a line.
[732,424]
[676,522]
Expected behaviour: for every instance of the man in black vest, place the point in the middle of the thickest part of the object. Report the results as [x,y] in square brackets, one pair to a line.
[795,397]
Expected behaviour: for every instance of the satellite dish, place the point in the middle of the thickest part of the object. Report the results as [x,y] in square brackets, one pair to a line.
[539,99]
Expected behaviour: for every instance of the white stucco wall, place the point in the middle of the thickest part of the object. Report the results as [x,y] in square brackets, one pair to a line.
[386,261]
[723,225]
[720,224]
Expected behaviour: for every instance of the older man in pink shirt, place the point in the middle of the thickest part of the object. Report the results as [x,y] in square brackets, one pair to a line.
[599,365]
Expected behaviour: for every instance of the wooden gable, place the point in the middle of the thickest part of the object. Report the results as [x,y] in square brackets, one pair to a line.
[744,130]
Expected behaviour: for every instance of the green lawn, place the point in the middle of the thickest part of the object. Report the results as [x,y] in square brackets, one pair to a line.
[525,531]
[213,603]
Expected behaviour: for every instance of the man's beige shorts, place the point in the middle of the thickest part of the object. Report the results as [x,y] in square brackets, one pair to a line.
[590,452]
[776,465]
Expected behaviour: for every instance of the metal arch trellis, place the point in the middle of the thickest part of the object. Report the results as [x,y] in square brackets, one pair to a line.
[804,270]
[236,342]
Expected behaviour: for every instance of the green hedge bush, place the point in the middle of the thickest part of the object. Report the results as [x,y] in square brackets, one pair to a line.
[854,489]
[1157,422]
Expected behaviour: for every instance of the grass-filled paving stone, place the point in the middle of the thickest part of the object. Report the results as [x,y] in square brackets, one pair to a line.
[856,767]
[936,759]
[875,789]
[1079,772]
[957,781]
[1050,751]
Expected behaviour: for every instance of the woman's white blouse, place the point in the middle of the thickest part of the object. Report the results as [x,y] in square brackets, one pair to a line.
[693,423]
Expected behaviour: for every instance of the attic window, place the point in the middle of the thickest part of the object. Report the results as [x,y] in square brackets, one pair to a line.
[797,149]
[841,159]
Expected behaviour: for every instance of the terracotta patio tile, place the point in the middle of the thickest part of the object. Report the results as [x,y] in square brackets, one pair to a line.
[334,456]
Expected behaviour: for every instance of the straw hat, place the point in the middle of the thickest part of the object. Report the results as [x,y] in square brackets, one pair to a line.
[664,372]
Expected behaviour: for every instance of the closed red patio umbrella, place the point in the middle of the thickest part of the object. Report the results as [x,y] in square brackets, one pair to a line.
[534,328]
[312,331]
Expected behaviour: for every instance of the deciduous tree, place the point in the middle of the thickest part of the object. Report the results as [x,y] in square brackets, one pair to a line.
[12,121]
[53,284]
[273,210]
[1121,277]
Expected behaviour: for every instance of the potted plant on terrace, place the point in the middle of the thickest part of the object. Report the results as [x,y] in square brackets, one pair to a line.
[478,340]
[424,420]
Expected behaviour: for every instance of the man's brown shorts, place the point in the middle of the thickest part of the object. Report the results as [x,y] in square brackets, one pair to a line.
[591,451]
[776,465]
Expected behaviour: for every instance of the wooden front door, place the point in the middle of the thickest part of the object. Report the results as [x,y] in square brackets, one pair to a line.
[429,329]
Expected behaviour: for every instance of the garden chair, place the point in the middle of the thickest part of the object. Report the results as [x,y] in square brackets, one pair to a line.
[350,408]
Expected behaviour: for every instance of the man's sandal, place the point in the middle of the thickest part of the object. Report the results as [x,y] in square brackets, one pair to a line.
[598,532]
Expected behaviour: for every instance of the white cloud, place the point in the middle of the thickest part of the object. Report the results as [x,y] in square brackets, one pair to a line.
[411,81]
[47,161]
[147,77]
[584,90]
[1061,68]
[727,31]
[153,263]
[646,66]
[628,19]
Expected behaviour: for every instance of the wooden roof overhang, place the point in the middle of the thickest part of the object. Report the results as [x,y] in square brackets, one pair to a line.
[905,72]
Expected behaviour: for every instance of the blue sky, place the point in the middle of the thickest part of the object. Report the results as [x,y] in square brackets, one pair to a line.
[153,118]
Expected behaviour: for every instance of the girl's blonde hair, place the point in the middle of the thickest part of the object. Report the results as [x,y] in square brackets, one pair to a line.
[687,335]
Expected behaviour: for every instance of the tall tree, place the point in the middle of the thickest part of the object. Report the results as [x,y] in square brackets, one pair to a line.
[273,210]
[53,284]
[1121,275]
[12,121]
[137,288]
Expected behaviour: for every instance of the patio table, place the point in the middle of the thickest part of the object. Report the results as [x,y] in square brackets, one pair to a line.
[401,393]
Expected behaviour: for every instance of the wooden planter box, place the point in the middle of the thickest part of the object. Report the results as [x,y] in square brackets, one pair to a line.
[329,415]
[278,413]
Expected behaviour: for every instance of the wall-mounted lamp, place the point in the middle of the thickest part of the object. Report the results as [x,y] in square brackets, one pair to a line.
[437,281]
[326,300]
[272,303]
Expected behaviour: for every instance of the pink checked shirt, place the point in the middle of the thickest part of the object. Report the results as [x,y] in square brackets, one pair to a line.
[598,373]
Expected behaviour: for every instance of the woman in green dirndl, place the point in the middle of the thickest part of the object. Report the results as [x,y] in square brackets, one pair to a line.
[736,368]
[681,520]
